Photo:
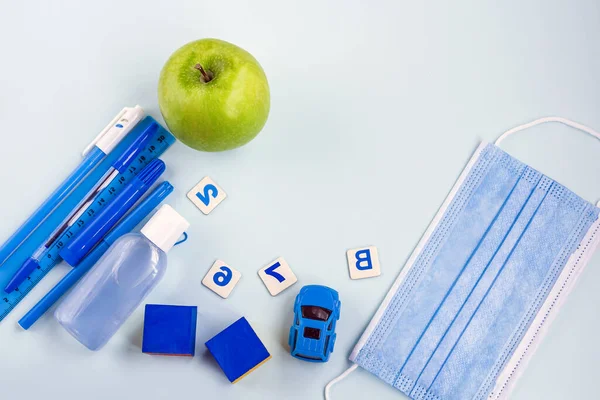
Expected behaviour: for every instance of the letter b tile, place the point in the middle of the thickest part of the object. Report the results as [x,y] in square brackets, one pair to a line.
[363,262]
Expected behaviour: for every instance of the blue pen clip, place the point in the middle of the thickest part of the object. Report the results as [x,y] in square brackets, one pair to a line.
[135,148]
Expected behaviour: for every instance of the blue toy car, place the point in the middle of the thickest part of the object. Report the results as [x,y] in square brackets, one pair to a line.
[316,311]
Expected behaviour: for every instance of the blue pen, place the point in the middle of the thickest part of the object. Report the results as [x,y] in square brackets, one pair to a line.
[93,232]
[118,166]
[103,144]
[125,226]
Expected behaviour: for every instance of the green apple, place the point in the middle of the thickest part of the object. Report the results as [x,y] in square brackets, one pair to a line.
[213,95]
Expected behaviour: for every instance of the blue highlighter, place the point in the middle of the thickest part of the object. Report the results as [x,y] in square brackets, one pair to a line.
[93,233]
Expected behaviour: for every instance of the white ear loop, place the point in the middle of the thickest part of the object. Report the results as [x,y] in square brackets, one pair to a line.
[543,120]
[343,375]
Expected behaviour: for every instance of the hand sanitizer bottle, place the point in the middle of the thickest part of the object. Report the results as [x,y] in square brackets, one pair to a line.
[108,294]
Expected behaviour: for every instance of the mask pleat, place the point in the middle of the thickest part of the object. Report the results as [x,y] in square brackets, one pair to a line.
[570,207]
[514,295]
[473,303]
[475,278]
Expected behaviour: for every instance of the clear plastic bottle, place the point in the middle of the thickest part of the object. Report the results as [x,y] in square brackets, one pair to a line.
[107,295]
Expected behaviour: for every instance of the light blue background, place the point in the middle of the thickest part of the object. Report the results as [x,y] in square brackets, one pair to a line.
[376,108]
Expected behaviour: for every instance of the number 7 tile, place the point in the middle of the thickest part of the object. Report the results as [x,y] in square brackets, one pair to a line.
[277,276]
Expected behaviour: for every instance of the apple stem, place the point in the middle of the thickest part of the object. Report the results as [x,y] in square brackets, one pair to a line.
[205,76]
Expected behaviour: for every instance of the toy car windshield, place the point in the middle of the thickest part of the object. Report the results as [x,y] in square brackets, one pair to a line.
[314,312]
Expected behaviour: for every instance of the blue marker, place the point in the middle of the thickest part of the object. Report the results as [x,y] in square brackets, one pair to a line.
[125,226]
[103,222]
[117,167]
[103,144]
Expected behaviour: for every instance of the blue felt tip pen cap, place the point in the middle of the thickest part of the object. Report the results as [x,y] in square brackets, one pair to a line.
[93,232]
[135,148]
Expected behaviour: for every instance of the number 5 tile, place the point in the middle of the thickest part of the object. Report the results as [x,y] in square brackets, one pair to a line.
[221,278]
[206,195]
[277,276]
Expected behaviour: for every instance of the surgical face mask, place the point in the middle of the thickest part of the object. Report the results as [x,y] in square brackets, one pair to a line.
[472,303]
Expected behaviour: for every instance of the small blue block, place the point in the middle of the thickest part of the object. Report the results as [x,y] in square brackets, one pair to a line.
[238,350]
[169,330]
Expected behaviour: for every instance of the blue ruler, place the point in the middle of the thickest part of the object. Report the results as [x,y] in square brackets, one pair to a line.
[158,144]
